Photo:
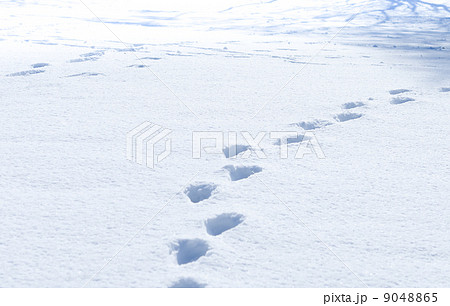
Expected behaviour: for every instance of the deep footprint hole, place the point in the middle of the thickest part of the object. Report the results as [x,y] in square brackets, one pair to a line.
[241,172]
[200,192]
[234,150]
[221,223]
[189,250]
[347,116]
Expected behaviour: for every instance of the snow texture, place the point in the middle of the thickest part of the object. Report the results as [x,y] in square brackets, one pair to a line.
[369,79]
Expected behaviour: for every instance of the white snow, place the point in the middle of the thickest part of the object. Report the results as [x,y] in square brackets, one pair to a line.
[370,79]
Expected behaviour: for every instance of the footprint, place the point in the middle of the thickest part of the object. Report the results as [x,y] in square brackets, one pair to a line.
[445,89]
[347,116]
[187,282]
[189,250]
[398,91]
[44,42]
[83,59]
[241,172]
[25,73]
[39,65]
[293,139]
[84,74]
[137,66]
[234,150]
[400,100]
[91,54]
[199,192]
[312,125]
[151,58]
[178,54]
[221,223]
[351,105]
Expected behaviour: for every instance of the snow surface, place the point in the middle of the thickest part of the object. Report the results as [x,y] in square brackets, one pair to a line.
[370,79]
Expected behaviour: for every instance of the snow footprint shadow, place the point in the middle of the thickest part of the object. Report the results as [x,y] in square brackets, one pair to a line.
[187,282]
[312,125]
[398,91]
[221,223]
[39,65]
[234,150]
[293,139]
[347,116]
[189,250]
[241,172]
[401,100]
[200,192]
[25,73]
[350,105]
